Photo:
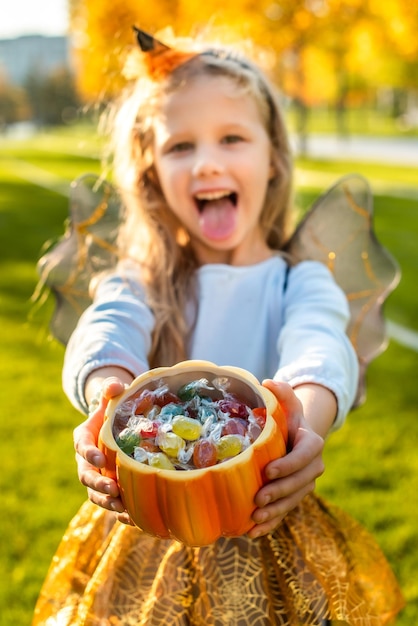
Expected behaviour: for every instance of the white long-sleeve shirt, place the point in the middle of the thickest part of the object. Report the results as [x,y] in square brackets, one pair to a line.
[289,326]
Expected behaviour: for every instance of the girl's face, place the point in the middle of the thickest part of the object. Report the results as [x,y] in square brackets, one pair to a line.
[213,160]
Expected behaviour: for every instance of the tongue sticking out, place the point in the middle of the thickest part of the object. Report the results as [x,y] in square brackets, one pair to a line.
[218,218]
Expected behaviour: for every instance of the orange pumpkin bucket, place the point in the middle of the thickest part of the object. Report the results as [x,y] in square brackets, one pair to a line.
[199,505]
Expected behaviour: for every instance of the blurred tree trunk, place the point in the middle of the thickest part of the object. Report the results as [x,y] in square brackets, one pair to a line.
[302,118]
[341,99]
[300,102]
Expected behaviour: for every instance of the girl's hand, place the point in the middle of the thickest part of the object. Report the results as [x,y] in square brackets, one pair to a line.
[293,476]
[101,490]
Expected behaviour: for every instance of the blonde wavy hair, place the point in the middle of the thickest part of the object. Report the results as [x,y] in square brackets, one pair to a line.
[151,234]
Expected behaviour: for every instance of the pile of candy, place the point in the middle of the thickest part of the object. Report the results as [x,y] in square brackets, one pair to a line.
[199,426]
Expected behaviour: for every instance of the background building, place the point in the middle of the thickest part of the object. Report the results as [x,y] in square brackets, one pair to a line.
[32,54]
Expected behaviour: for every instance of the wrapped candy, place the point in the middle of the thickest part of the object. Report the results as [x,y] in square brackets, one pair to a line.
[175,422]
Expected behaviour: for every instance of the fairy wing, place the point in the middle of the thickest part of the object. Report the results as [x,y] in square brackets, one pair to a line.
[86,248]
[338,231]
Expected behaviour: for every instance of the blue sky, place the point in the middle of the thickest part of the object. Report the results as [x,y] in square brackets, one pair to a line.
[23,17]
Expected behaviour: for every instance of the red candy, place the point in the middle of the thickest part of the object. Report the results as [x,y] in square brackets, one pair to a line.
[147,429]
[204,454]
[234,408]
[149,446]
[166,398]
[235,426]
[145,402]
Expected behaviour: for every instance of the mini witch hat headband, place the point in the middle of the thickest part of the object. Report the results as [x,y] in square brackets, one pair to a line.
[160,60]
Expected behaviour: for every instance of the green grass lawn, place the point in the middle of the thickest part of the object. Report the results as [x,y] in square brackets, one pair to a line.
[372,464]
[362,120]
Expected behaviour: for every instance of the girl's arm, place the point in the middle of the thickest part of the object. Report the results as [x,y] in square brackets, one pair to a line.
[310,411]
[115,331]
[314,349]
[110,382]
[319,407]
[107,350]
[321,367]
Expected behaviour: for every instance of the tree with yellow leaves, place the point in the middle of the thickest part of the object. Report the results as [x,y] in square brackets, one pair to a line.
[323,48]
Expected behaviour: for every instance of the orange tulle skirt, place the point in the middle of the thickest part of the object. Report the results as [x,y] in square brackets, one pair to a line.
[318,565]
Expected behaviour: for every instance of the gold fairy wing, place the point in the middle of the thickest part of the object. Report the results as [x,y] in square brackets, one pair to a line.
[338,231]
[86,248]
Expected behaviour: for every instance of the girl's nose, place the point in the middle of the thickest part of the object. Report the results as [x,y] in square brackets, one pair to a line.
[207,163]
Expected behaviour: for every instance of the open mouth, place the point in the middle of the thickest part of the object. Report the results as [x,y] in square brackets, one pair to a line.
[202,200]
[218,215]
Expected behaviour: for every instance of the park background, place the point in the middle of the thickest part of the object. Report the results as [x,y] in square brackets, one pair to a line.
[347,71]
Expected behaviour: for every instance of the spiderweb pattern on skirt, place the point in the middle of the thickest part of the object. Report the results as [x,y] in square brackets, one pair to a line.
[318,564]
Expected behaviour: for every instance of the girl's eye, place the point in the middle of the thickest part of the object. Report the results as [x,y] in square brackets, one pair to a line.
[232,139]
[182,146]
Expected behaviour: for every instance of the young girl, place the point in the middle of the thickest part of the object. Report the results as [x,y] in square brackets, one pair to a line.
[203,168]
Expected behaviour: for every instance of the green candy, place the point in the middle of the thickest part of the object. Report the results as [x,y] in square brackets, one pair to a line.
[193,389]
[128,440]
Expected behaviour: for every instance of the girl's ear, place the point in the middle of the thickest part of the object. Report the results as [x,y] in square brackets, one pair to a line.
[275,164]
[272,169]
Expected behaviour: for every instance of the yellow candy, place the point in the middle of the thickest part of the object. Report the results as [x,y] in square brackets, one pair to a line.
[187,427]
[170,443]
[228,446]
[160,460]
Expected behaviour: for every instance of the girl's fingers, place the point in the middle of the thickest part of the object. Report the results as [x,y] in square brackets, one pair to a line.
[85,440]
[293,476]
[111,504]
[90,477]
[307,448]
[289,485]
[268,518]
[86,435]
[305,443]
[289,403]
[112,387]
[124,518]
[101,490]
